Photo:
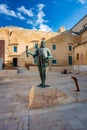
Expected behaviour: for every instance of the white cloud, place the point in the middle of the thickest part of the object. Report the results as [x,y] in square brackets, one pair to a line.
[79,1]
[30,22]
[82,1]
[23,10]
[34,28]
[36,18]
[38,21]
[20,16]
[4,9]
[40,6]
[44,27]
[41,22]
[40,16]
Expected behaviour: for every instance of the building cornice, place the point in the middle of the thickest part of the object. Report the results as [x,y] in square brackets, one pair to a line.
[80,43]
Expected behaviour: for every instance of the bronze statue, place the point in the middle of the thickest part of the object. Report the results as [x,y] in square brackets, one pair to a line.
[43,54]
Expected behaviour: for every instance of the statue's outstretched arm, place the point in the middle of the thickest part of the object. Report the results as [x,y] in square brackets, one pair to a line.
[31,53]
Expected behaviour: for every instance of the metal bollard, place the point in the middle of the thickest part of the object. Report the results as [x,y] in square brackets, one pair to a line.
[76,83]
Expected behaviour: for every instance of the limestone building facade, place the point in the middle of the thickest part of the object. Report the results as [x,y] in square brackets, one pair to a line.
[80,48]
[68,47]
[15,40]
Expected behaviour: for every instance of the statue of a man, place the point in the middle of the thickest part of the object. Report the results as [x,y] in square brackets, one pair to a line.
[43,54]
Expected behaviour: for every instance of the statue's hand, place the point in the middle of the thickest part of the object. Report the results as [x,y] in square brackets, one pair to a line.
[27,55]
[46,59]
[27,51]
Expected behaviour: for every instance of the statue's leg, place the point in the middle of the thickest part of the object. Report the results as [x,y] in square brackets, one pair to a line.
[43,76]
[40,73]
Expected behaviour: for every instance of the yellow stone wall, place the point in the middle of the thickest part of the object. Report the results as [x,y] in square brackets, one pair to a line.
[81,50]
[62,52]
[23,37]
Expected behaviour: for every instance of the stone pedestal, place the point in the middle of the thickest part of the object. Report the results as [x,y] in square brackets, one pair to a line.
[45,97]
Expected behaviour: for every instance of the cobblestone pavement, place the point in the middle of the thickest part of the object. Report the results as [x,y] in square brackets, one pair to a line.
[15,115]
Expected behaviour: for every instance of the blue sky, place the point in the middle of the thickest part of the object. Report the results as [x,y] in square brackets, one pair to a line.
[44,15]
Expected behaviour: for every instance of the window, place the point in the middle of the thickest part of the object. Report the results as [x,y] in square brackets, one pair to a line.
[35,45]
[54,62]
[54,47]
[77,56]
[70,48]
[14,49]
[70,60]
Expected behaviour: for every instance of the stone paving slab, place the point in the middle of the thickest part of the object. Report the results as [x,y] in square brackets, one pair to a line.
[15,115]
[58,116]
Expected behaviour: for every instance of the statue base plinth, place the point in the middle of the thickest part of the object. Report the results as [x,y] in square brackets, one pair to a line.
[45,97]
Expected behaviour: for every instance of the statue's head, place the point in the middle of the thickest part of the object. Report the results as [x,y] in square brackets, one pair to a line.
[42,44]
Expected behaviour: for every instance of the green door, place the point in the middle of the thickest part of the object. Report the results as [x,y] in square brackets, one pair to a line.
[69,60]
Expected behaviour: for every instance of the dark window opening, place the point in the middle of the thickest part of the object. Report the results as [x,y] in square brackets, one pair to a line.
[14,48]
[70,48]
[54,61]
[54,47]
[15,62]
[70,60]
[36,45]
[77,56]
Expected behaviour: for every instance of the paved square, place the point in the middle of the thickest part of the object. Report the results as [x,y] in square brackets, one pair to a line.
[14,112]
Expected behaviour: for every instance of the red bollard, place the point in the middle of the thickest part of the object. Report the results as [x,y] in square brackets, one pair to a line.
[76,83]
